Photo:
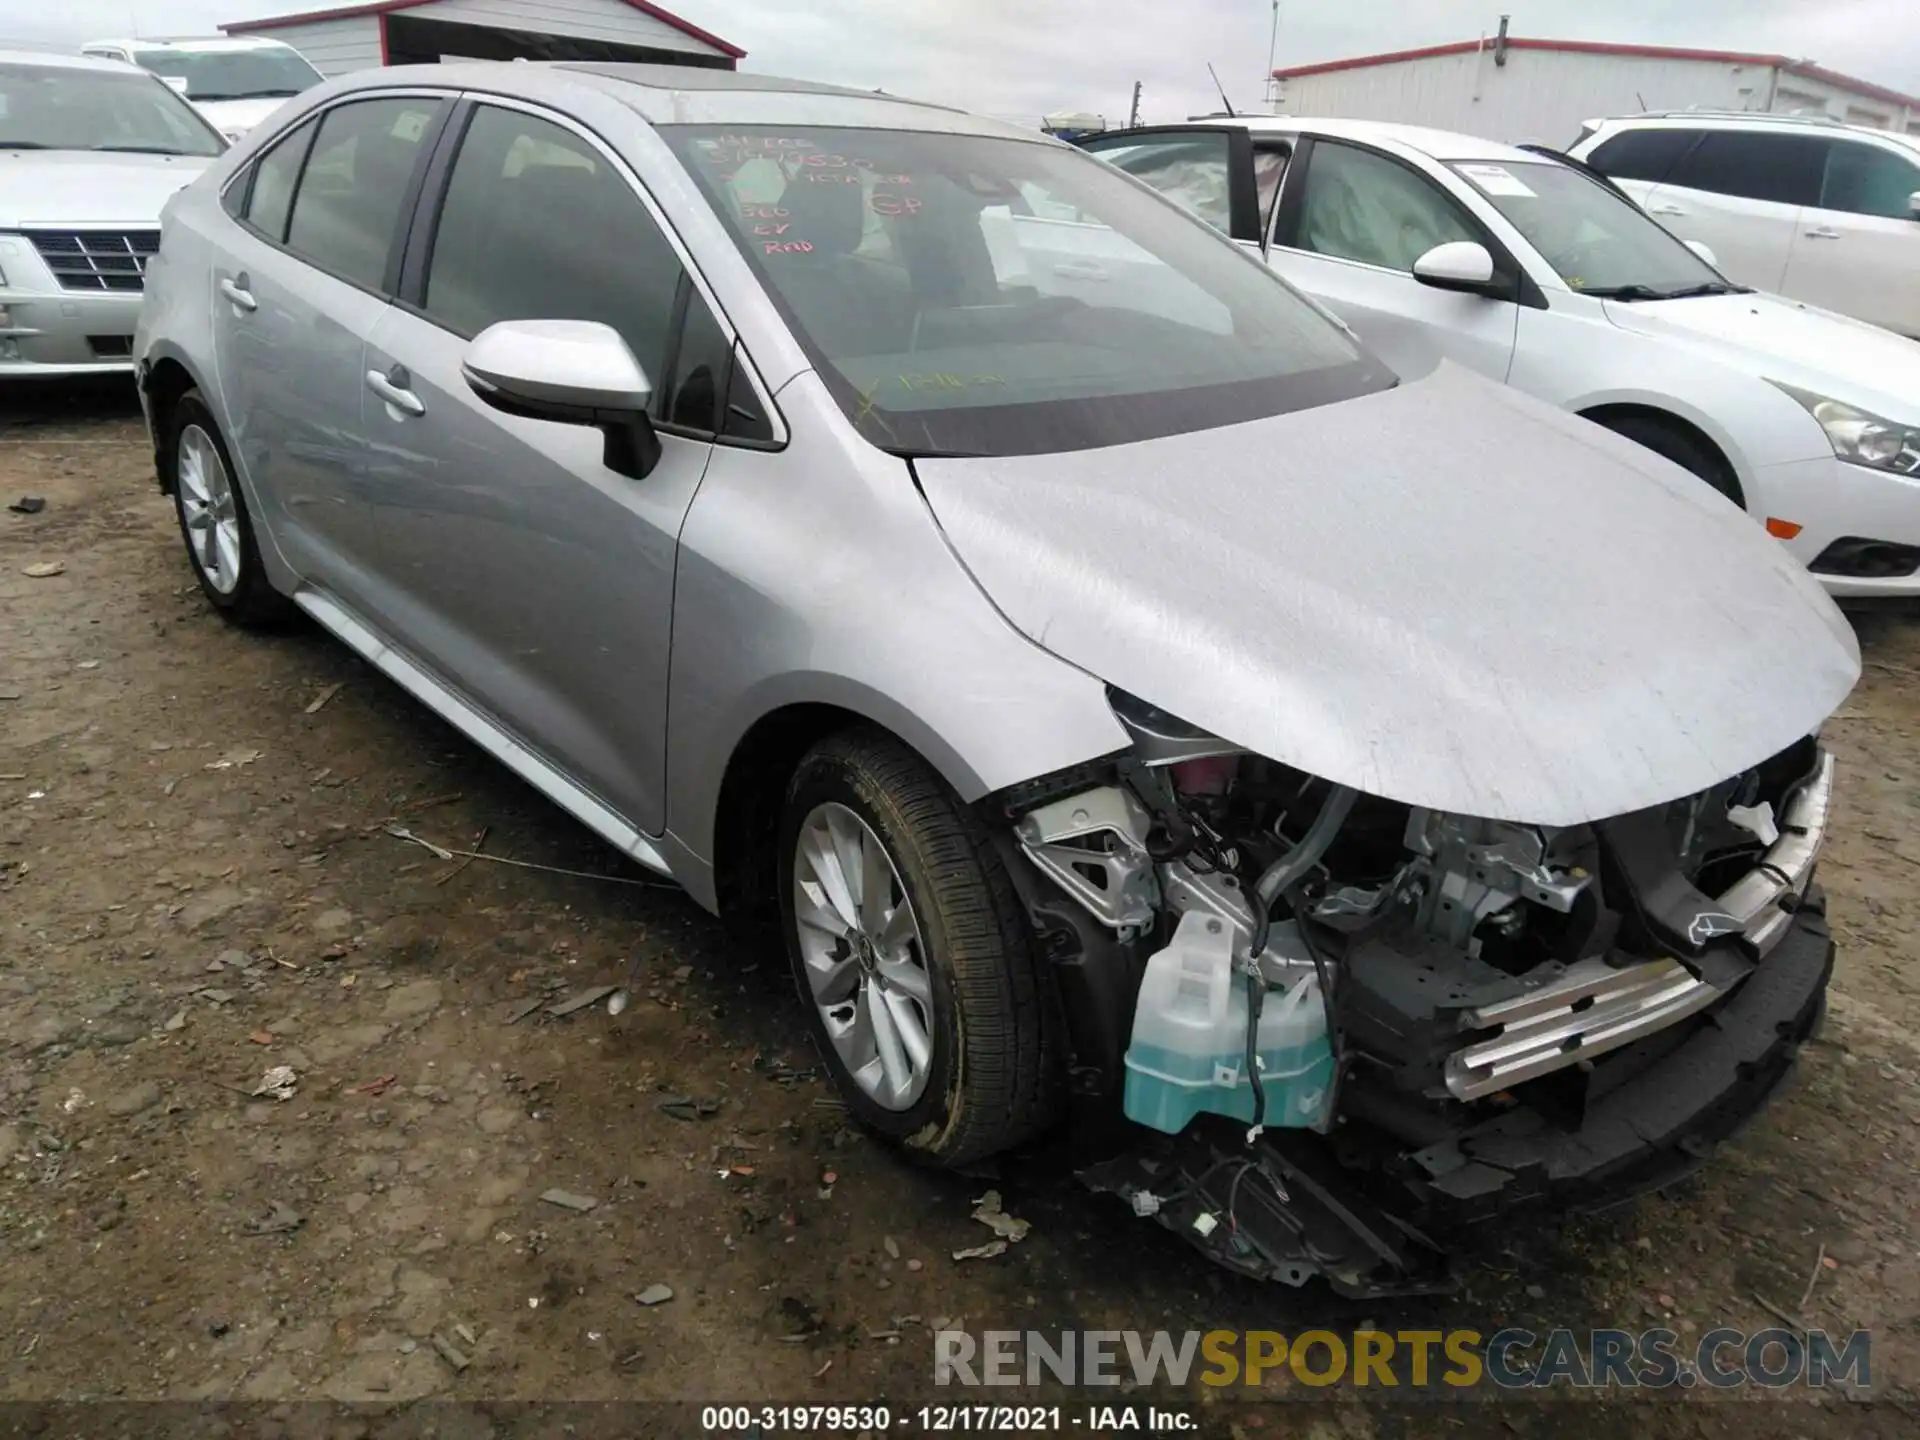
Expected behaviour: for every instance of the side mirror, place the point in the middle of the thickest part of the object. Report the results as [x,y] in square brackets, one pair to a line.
[1458,265]
[572,372]
[176,83]
[1705,251]
[1913,204]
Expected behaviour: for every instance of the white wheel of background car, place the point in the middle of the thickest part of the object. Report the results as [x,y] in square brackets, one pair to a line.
[208,512]
[864,956]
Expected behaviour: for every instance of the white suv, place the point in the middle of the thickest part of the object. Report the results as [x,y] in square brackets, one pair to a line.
[1808,208]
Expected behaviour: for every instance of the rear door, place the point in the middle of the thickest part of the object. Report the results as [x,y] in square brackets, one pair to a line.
[1741,192]
[1352,221]
[534,579]
[301,279]
[1858,250]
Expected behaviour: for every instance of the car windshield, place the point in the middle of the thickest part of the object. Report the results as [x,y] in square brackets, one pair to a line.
[68,107]
[968,295]
[232,74]
[1597,242]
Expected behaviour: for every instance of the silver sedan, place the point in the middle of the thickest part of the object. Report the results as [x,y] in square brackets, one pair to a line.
[1114,682]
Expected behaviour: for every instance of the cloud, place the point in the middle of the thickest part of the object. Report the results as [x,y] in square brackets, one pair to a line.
[1020,58]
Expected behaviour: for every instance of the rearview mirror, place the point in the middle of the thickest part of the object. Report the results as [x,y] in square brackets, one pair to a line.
[572,372]
[1458,265]
[1705,252]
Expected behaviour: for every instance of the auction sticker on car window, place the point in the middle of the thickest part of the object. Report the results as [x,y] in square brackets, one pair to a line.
[1497,180]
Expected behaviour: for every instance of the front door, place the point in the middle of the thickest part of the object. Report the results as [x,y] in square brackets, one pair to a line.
[1740,192]
[300,284]
[1352,222]
[1858,250]
[539,581]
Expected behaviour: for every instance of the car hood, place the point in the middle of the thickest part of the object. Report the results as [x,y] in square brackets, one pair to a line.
[81,188]
[1785,340]
[1447,594]
[233,118]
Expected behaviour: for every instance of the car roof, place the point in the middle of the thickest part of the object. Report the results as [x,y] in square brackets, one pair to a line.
[53,60]
[699,95]
[1437,144]
[1748,120]
[198,42]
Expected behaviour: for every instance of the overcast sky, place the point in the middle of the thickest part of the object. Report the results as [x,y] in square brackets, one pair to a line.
[1031,56]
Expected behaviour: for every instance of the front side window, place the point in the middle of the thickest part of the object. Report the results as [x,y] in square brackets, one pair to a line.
[537,225]
[1754,165]
[964,294]
[346,211]
[249,74]
[1194,170]
[1648,154]
[1362,206]
[70,107]
[1866,180]
[1595,241]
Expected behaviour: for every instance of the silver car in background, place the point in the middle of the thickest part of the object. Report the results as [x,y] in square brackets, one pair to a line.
[89,152]
[236,81]
[1114,684]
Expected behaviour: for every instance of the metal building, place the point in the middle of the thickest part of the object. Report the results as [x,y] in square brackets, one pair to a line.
[412,32]
[1506,88]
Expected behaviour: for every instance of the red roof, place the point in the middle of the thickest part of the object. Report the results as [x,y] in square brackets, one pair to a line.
[388,7]
[1597,47]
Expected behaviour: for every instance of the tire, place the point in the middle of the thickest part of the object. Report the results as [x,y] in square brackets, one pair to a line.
[988,1080]
[1681,448]
[214,523]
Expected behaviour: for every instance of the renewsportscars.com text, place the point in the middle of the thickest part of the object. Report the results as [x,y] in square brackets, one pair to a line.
[1511,1358]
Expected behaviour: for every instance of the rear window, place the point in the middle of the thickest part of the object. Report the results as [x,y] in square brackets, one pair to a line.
[1641,154]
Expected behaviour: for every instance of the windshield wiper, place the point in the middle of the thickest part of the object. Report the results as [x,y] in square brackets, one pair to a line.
[279,94]
[1625,292]
[138,150]
[23,145]
[1708,287]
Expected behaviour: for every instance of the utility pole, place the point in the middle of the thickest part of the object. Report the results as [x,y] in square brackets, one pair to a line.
[1273,53]
[1133,115]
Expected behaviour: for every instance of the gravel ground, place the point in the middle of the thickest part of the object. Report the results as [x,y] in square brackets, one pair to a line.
[197,884]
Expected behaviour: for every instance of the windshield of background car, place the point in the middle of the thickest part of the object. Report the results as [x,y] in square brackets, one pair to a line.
[967,295]
[232,74]
[1593,239]
[48,107]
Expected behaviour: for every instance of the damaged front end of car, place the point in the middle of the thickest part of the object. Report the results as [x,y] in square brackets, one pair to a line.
[1450,1017]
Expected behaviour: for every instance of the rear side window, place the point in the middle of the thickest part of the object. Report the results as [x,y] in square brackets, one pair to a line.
[346,211]
[1642,154]
[270,200]
[536,225]
[1755,165]
[1866,180]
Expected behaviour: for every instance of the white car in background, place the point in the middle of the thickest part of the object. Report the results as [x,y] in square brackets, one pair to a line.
[236,82]
[1806,206]
[90,151]
[1434,246]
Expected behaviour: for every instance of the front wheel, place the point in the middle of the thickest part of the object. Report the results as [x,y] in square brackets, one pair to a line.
[912,954]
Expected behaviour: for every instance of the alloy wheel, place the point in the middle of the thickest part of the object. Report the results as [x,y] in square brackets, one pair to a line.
[208,509]
[864,957]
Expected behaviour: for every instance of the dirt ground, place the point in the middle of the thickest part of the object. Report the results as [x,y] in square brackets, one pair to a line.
[197,883]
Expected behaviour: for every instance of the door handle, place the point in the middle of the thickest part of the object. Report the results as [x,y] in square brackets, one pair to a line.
[1665,209]
[1823,233]
[237,292]
[392,388]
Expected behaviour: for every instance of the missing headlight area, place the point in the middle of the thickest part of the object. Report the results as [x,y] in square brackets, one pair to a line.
[1447,1016]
